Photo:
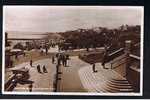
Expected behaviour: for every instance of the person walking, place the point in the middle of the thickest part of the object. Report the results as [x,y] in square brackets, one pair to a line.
[58,60]
[31,62]
[66,59]
[30,87]
[93,68]
[46,50]
[63,60]
[38,68]
[53,59]
[44,69]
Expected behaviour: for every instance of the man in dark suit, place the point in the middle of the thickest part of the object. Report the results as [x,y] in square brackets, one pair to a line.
[53,59]
[31,62]
[93,68]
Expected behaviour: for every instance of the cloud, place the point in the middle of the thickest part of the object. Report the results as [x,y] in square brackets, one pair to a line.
[55,19]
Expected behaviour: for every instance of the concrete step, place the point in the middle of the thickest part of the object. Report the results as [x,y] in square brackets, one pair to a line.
[112,90]
[120,86]
[103,81]
[121,82]
[119,89]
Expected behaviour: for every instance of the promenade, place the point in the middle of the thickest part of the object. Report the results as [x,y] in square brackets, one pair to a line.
[70,78]
[77,76]
[43,82]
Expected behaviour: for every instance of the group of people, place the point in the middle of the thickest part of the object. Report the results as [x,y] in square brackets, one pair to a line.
[42,51]
[39,67]
[61,59]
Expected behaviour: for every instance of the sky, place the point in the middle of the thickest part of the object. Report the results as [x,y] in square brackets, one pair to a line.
[62,18]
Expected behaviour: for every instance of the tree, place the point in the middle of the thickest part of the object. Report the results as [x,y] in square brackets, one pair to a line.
[19,46]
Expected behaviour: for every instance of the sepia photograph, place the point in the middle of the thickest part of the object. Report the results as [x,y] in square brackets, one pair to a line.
[73,50]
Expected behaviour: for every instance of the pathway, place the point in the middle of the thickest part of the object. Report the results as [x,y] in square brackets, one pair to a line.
[70,78]
[42,81]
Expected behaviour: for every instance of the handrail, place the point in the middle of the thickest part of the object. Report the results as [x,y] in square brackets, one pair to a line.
[114,55]
[131,55]
[116,51]
[134,56]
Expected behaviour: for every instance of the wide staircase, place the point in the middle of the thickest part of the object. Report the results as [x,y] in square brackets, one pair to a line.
[104,80]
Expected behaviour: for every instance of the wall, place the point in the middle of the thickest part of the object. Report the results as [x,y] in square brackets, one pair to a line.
[133,77]
[121,69]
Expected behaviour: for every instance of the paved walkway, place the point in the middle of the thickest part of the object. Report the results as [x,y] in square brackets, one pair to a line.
[42,81]
[70,78]
[77,77]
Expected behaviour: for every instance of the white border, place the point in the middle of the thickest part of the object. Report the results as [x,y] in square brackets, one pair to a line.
[80,93]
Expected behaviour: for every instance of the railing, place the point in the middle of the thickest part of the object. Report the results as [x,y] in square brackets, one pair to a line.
[123,60]
[134,56]
[115,54]
[119,62]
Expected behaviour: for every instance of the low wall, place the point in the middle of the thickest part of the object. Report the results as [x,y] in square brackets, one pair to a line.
[121,69]
[91,57]
[133,77]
